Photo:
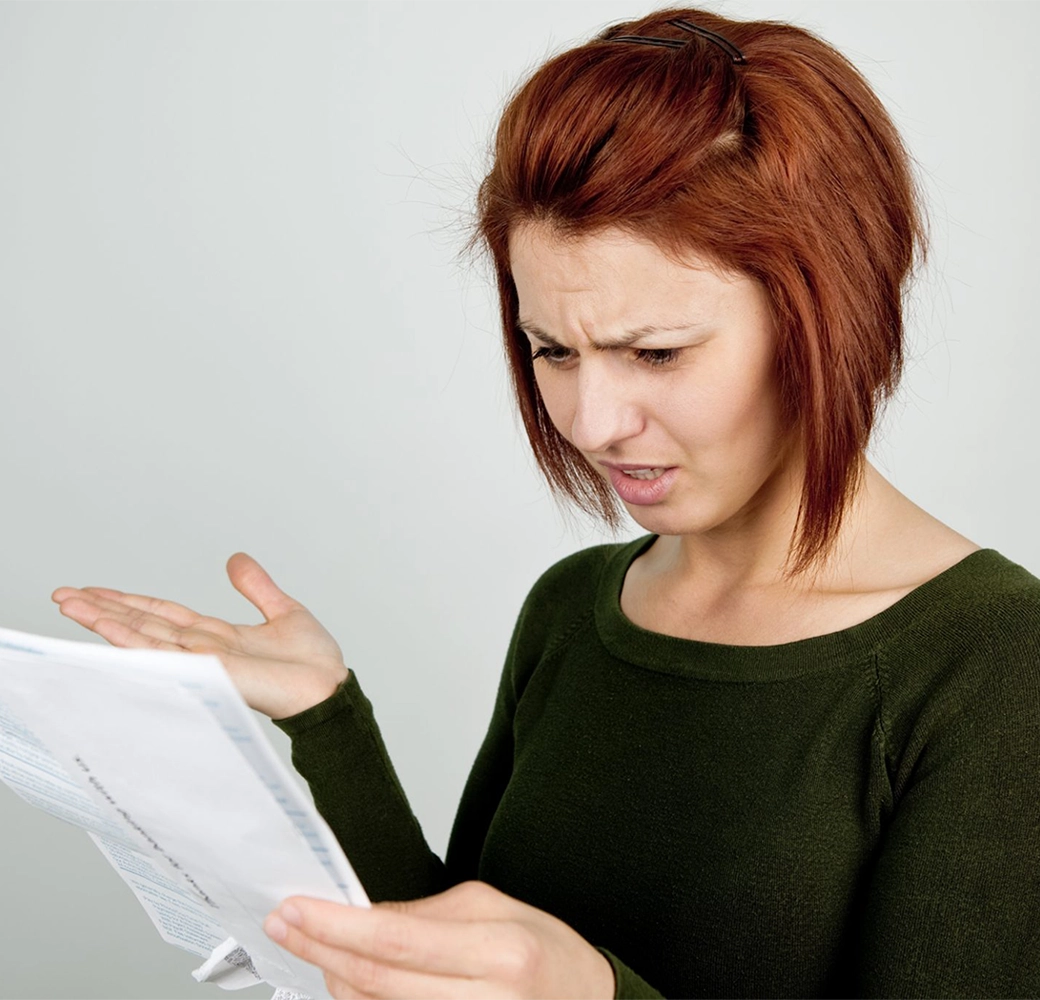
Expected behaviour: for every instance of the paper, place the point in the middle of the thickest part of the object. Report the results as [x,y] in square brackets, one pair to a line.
[157,756]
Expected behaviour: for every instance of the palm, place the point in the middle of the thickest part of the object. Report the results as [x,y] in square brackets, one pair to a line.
[281,667]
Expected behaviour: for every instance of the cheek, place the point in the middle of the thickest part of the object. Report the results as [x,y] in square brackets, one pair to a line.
[704,413]
[757,427]
[731,415]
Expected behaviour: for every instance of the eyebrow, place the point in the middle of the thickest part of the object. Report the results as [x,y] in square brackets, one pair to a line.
[628,338]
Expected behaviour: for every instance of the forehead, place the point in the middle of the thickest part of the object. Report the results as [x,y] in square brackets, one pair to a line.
[611,272]
[608,252]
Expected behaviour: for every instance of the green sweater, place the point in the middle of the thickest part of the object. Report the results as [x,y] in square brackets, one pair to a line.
[855,814]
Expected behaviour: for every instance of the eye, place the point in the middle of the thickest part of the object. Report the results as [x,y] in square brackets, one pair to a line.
[554,356]
[659,357]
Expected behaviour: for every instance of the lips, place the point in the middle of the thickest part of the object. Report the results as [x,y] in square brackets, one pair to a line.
[641,485]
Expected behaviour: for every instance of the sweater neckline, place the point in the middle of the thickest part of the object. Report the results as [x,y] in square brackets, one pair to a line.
[724,662]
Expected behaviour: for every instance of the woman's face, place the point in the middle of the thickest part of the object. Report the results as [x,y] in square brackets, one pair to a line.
[660,373]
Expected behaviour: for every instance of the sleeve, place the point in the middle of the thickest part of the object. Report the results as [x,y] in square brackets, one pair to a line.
[491,771]
[338,749]
[954,904]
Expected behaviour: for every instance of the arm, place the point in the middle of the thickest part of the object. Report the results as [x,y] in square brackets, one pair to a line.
[337,747]
[954,902]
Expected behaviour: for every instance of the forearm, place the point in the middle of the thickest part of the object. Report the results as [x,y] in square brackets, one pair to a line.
[338,749]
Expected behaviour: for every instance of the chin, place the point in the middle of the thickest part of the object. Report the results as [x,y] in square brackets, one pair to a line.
[665,519]
[704,512]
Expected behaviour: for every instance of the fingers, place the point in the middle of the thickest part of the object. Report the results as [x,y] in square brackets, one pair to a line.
[251,580]
[349,974]
[387,936]
[247,576]
[121,619]
[106,624]
[510,950]
[177,614]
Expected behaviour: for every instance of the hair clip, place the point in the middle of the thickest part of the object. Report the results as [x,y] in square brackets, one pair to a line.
[668,43]
[724,43]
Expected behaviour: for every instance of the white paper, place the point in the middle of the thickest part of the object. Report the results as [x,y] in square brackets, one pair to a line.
[158,757]
[179,916]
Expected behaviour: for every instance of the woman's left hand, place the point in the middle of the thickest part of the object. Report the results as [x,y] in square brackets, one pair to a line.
[471,941]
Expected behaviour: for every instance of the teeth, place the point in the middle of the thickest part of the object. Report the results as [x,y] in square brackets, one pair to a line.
[644,473]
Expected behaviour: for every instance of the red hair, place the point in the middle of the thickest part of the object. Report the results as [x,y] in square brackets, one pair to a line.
[786,169]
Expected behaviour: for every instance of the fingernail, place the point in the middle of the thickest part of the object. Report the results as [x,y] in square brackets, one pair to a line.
[274,928]
[290,914]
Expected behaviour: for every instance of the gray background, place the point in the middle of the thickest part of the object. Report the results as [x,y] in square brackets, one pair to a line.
[232,316]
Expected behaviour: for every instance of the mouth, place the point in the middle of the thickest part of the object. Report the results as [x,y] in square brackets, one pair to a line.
[641,485]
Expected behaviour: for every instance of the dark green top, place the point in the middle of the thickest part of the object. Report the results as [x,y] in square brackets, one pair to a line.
[855,814]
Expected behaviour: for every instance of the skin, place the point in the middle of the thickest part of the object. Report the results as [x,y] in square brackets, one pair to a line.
[697,395]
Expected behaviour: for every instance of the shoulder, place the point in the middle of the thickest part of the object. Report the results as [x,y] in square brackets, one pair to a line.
[563,598]
[569,587]
[983,603]
[574,580]
[967,657]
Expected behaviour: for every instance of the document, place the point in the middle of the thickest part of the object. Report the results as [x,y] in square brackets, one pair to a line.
[158,758]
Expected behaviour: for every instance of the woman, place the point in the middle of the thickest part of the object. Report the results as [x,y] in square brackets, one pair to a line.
[789,742]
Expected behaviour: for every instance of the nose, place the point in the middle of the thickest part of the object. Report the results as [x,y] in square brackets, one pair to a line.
[606,410]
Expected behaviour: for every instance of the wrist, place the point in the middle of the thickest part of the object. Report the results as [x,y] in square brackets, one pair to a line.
[310,692]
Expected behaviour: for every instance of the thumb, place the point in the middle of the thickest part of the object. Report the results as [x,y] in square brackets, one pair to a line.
[250,579]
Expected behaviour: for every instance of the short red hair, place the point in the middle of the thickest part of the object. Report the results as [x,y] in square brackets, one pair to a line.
[786,168]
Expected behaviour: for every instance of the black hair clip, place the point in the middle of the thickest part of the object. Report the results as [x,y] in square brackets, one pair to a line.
[668,43]
[720,40]
[677,43]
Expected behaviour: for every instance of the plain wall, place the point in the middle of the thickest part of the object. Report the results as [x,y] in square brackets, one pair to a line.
[233,316]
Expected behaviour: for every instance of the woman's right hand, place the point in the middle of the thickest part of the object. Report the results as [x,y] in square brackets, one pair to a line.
[281,667]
